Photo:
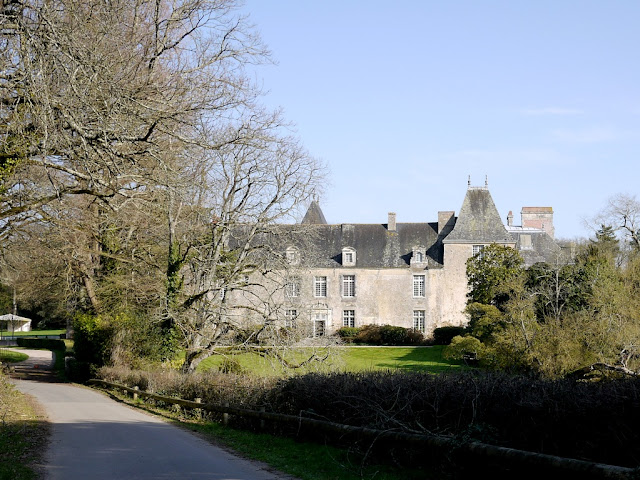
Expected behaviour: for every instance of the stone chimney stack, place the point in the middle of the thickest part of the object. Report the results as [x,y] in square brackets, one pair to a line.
[538,217]
[446,220]
[510,219]
[391,224]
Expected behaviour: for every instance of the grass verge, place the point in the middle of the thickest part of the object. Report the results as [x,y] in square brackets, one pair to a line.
[23,434]
[11,356]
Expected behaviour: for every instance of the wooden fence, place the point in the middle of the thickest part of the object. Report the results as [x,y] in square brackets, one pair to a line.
[518,460]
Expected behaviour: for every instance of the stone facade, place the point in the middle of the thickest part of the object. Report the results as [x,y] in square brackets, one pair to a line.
[411,275]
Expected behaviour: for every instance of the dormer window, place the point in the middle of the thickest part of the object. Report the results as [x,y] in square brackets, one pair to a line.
[292,255]
[348,257]
[419,255]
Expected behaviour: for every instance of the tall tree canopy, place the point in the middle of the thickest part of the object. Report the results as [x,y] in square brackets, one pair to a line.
[134,149]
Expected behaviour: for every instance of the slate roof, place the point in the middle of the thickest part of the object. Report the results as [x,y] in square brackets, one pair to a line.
[375,245]
[321,244]
[479,220]
[314,215]
[543,247]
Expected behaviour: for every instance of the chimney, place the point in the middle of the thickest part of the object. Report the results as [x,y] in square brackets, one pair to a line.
[538,217]
[445,219]
[510,219]
[391,224]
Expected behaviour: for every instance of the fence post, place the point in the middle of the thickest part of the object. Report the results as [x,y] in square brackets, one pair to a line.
[262,410]
[225,415]
[135,394]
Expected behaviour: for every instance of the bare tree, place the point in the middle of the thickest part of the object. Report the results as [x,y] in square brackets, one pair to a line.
[622,212]
[133,136]
[96,95]
[227,267]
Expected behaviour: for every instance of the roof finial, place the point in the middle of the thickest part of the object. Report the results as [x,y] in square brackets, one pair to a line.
[486,181]
[469,181]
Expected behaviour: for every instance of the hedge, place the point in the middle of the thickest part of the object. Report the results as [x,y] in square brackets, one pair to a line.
[42,343]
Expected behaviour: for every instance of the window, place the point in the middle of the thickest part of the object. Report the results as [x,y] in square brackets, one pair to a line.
[290,317]
[525,242]
[477,249]
[418,285]
[348,318]
[418,320]
[320,286]
[348,257]
[292,288]
[348,285]
[292,255]
[418,256]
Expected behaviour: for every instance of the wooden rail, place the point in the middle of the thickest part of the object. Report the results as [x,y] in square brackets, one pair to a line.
[510,457]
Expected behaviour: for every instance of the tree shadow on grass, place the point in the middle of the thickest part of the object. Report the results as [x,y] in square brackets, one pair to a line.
[422,359]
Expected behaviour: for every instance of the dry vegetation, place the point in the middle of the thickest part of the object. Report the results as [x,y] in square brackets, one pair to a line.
[23,434]
[592,421]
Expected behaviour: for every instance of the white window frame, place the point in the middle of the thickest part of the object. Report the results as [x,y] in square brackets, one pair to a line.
[292,255]
[290,316]
[419,320]
[348,257]
[477,249]
[348,286]
[419,286]
[349,318]
[418,255]
[292,288]
[320,286]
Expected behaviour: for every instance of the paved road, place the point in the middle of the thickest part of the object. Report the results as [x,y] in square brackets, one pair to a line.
[94,437]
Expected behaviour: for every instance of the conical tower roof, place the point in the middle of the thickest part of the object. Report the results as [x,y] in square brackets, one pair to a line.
[314,215]
[479,220]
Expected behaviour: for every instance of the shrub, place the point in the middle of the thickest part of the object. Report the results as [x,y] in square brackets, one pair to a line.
[230,365]
[348,334]
[92,339]
[45,343]
[444,335]
[388,335]
[594,421]
[465,348]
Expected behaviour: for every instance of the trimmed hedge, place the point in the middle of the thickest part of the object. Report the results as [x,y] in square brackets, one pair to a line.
[387,335]
[43,343]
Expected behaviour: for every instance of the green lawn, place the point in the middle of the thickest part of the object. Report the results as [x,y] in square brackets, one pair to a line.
[9,356]
[349,359]
[9,333]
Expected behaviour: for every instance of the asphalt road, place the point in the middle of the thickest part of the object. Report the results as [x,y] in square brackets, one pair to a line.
[94,437]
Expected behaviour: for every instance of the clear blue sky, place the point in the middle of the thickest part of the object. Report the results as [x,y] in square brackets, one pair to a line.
[403,100]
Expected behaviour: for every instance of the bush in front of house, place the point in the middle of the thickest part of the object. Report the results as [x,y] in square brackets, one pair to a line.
[348,334]
[387,335]
[444,335]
